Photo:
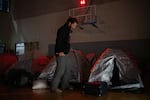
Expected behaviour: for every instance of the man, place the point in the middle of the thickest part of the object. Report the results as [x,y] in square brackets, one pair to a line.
[62,48]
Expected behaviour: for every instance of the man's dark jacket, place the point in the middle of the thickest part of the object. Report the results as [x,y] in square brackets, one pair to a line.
[63,39]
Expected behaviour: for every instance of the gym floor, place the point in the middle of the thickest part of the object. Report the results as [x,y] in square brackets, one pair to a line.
[9,93]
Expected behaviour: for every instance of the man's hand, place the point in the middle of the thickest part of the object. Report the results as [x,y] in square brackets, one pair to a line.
[60,54]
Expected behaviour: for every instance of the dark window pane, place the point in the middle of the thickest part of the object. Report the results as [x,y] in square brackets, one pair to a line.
[4,5]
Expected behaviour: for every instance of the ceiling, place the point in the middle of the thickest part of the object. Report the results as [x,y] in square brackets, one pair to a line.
[28,8]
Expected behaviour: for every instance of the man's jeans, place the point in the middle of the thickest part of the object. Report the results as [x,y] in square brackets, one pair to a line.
[62,73]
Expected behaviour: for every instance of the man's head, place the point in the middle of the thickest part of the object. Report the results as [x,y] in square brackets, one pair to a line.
[72,22]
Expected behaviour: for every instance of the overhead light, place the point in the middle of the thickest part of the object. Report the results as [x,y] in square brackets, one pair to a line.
[82,2]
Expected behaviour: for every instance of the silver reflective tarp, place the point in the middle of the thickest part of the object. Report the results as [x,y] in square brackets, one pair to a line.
[115,67]
[80,68]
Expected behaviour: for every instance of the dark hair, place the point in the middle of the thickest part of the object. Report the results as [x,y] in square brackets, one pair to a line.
[72,20]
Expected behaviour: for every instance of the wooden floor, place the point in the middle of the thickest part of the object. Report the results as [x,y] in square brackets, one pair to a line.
[7,93]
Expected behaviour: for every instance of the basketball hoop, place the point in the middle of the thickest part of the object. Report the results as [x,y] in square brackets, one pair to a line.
[85,15]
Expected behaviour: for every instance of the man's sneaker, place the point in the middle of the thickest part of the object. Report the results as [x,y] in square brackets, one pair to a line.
[71,88]
[58,90]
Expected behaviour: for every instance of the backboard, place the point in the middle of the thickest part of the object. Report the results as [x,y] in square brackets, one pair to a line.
[85,15]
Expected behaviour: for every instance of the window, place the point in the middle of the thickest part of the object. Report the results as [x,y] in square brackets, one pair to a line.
[2,47]
[4,5]
[20,48]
